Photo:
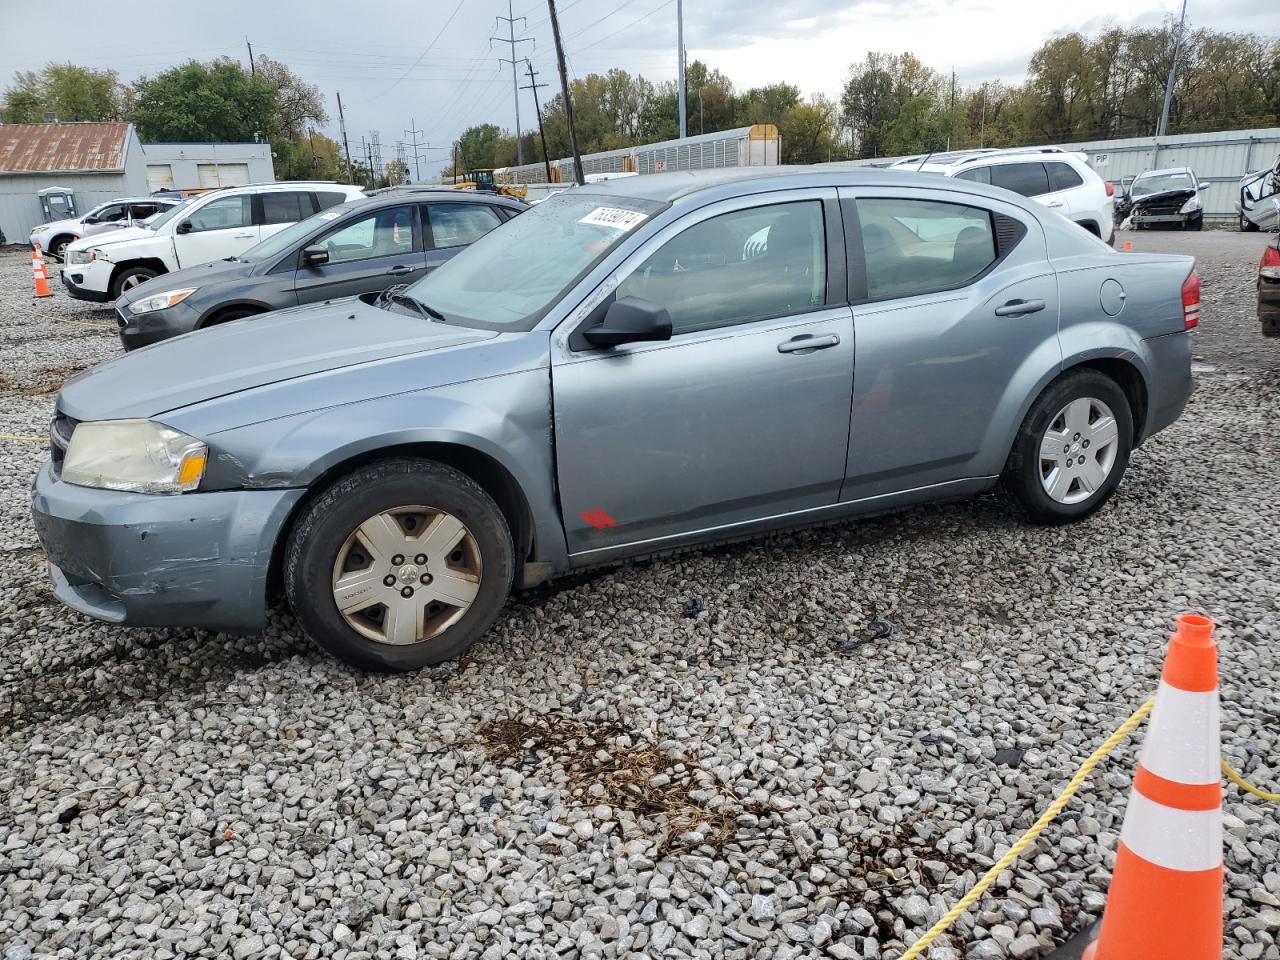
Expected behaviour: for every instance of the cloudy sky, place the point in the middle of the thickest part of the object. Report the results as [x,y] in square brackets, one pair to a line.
[432,62]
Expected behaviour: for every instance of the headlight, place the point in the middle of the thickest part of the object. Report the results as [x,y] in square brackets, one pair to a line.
[1192,205]
[78,256]
[160,301]
[136,455]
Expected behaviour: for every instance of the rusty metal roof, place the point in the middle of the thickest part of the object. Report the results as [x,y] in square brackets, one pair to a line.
[62,147]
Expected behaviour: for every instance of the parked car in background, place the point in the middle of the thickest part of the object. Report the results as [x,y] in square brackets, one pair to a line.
[1172,197]
[54,237]
[575,387]
[362,246]
[211,226]
[1269,289]
[1059,180]
[1258,202]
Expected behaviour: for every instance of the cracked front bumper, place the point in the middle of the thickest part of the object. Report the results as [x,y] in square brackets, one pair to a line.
[191,560]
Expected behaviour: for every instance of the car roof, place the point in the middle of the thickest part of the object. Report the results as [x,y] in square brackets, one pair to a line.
[668,187]
[396,198]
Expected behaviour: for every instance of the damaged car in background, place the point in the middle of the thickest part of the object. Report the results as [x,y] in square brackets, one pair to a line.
[1258,203]
[1171,198]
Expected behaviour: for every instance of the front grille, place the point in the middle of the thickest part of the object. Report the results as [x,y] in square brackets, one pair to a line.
[60,430]
[1162,207]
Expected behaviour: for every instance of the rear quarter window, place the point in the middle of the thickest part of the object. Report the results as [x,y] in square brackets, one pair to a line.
[329,198]
[1062,176]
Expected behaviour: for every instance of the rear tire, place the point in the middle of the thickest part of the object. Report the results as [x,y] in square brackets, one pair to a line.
[129,278]
[1072,448]
[382,539]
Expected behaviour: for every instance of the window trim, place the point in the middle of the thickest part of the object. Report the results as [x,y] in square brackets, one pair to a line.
[429,233]
[833,236]
[864,291]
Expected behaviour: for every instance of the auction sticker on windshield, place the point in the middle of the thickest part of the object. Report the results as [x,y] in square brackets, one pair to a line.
[615,217]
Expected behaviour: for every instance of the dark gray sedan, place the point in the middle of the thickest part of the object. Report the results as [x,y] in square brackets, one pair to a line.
[364,246]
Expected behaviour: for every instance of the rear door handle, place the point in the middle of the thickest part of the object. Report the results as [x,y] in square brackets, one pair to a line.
[1016,308]
[400,270]
[806,342]
[244,236]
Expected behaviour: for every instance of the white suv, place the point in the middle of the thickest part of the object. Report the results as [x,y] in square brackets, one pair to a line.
[210,226]
[113,215]
[1051,176]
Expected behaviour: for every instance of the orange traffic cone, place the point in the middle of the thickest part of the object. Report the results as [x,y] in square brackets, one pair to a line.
[1128,245]
[1165,901]
[39,273]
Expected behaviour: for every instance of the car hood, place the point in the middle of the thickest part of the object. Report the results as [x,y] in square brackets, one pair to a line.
[201,276]
[1181,194]
[69,223]
[250,353]
[110,239]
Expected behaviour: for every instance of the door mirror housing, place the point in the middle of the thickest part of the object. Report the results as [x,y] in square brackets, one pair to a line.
[183,227]
[90,221]
[1203,186]
[630,320]
[315,255]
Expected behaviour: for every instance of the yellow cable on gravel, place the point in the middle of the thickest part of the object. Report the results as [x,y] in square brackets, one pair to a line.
[1046,818]
[1246,786]
[17,439]
[79,323]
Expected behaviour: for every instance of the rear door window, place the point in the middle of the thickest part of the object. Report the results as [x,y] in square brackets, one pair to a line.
[1062,176]
[914,247]
[1028,179]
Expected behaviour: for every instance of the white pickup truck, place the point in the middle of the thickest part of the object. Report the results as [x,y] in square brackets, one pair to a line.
[208,227]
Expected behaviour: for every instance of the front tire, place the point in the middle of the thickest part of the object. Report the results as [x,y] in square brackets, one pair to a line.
[402,564]
[129,278]
[59,247]
[1072,448]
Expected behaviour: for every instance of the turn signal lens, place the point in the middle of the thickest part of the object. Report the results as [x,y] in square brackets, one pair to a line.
[1269,265]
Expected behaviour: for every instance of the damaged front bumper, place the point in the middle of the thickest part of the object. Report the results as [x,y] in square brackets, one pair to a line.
[192,560]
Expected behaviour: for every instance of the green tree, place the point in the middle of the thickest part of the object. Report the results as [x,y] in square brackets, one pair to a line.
[67,91]
[477,146]
[205,102]
[808,131]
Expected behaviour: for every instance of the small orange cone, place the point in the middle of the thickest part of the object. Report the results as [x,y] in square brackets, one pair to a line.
[1165,901]
[1128,244]
[39,273]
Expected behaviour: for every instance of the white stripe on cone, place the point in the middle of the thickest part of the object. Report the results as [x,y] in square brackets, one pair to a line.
[1183,736]
[1189,840]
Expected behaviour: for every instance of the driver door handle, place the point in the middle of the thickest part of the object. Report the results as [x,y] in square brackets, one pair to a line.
[807,341]
[243,236]
[399,270]
[1017,308]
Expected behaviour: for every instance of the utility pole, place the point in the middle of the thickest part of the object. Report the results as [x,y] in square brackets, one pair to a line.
[1173,69]
[510,21]
[455,163]
[951,118]
[578,176]
[342,125]
[253,71]
[534,85]
[684,132]
[413,131]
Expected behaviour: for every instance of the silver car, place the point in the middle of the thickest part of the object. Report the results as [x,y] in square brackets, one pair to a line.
[625,369]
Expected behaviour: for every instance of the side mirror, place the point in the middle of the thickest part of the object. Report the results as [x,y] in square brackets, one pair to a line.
[315,255]
[90,221]
[1202,186]
[630,320]
[183,227]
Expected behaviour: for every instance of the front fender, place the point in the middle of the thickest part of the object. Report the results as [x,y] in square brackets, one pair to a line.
[507,418]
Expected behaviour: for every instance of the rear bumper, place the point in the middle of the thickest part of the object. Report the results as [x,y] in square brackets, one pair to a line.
[1169,386]
[1269,306]
[193,560]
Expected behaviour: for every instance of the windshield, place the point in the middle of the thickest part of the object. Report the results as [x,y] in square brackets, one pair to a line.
[509,278]
[169,214]
[1159,183]
[286,238]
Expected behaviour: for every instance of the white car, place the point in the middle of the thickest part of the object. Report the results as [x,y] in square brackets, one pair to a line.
[211,226]
[1056,178]
[112,215]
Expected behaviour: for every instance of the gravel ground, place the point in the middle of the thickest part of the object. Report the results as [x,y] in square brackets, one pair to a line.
[806,746]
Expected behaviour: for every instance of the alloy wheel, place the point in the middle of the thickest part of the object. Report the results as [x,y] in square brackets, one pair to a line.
[406,575]
[1078,450]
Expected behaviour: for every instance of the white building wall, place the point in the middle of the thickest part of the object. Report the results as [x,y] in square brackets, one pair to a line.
[185,160]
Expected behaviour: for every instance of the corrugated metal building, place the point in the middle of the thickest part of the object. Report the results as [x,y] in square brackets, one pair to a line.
[187,166]
[1220,158]
[96,161]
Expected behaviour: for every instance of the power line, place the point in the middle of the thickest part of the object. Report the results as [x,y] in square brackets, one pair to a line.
[421,55]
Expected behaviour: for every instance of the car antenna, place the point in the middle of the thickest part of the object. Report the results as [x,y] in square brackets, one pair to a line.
[925,160]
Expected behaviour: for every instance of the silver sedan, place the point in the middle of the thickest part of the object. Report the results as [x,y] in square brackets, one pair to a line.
[628,368]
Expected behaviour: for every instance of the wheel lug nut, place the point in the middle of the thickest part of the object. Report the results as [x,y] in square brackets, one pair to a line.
[420,559]
[407,592]
[397,560]
[1076,437]
[1081,461]
[1085,444]
[425,578]
[389,580]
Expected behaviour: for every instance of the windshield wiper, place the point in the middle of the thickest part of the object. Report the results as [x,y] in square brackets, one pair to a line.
[396,294]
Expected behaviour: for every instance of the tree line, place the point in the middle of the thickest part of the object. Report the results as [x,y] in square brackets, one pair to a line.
[1078,87]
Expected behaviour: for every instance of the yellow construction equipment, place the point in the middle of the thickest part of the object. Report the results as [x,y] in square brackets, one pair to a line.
[485,180]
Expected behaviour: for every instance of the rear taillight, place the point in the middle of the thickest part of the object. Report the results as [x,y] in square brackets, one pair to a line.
[1191,301]
[1111,189]
[1269,265]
